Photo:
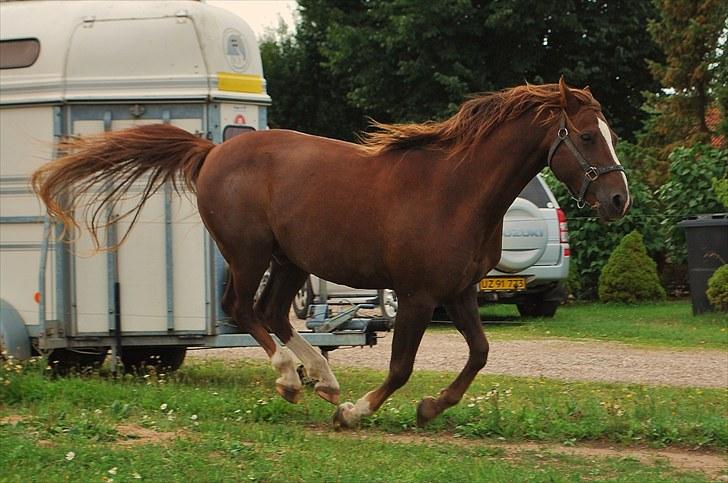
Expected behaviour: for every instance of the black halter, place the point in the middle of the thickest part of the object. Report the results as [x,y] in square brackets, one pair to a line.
[591,173]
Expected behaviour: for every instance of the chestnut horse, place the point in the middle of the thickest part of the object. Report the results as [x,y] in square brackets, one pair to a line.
[416,207]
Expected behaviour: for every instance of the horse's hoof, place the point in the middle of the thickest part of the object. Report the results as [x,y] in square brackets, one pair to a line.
[288,393]
[328,393]
[340,419]
[426,411]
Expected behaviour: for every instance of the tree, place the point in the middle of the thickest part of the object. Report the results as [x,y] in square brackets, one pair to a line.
[692,75]
[630,275]
[408,60]
[306,96]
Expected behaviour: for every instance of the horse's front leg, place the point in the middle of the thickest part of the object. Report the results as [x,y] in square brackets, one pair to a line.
[412,319]
[465,314]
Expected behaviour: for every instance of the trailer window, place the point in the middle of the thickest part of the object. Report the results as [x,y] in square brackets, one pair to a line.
[18,53]
[233,130]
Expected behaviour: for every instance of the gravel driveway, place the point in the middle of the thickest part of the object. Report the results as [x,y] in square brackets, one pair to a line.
[553,358]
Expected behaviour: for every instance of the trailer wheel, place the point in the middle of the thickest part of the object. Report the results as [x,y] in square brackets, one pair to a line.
[14,338]
[166,358]
[67,361]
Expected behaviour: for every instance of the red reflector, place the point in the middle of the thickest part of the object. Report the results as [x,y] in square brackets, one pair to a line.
[36,297]
[562,216]
[567,251]
[563,229]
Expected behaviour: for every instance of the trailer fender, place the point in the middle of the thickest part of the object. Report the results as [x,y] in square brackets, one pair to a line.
[14,338]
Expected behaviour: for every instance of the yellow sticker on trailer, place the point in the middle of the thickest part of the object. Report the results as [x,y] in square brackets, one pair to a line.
[231,82]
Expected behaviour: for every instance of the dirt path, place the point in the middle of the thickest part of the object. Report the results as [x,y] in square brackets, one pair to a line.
[552,358]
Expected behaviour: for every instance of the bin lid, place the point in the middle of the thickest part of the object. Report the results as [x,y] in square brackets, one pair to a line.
[711,219]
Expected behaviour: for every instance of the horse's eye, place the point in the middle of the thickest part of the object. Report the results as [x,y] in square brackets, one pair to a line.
[586,137]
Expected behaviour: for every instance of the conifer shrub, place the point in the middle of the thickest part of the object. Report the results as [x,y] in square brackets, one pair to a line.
[718,289]
[630,275]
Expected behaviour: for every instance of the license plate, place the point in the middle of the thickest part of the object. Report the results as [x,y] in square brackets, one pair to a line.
[496,284]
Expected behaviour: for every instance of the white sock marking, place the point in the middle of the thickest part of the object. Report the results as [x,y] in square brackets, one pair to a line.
[314,362]
[352,413]
[283,362]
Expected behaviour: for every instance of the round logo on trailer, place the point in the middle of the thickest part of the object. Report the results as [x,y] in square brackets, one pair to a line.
[234,49]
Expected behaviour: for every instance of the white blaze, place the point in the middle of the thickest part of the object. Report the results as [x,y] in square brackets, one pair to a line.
[604,129]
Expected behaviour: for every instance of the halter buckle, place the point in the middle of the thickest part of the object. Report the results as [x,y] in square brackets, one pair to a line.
[562,133]
[592,173]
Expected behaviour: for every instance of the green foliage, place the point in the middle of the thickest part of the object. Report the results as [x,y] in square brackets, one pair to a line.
[689,191]
[692,75]
[654,213]
[306,96]
[720,188]
[407,60]
[592,241]
[718,289]
[630,275]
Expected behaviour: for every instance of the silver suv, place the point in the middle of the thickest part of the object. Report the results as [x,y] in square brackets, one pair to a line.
[533,265]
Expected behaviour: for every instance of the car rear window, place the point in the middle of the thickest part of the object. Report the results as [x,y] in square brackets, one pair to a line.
[535,193]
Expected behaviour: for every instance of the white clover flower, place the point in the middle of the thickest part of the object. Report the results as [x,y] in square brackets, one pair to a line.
[193,417]
[70,455]
[163,407]
[112,471]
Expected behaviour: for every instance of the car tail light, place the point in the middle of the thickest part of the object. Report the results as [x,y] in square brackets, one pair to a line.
[567,251]
[563,229]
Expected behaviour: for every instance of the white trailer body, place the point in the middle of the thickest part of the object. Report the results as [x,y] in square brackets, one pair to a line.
[78,68]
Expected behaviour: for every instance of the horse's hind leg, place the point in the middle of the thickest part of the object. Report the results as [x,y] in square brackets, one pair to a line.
[412,318]
[243,284]
[464,313]
[273,308]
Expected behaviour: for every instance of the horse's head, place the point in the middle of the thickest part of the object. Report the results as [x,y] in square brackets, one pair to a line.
[582,157]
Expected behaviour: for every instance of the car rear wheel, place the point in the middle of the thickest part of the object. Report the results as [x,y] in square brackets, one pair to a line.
[538,308]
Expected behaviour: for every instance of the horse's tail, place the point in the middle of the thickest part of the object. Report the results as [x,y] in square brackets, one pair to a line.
[98,171]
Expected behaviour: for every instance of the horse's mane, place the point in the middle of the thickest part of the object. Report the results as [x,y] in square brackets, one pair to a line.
[476,119]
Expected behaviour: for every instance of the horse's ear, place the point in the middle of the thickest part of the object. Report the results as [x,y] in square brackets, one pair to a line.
[569,102]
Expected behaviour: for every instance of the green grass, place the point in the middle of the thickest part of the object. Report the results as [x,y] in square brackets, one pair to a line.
[231,426]
[668,324]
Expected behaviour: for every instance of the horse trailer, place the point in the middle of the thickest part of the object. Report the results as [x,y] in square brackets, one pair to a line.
[79,68]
